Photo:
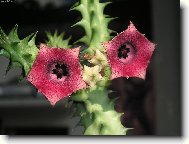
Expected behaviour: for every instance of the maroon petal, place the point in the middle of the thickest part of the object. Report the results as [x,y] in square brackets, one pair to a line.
[129,53]
[56,72]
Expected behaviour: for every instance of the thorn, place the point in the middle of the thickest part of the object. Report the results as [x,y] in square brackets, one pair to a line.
[77,24]
[74,6]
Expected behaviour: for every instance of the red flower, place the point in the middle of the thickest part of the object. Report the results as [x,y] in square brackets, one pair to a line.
[56,72]
[129,53]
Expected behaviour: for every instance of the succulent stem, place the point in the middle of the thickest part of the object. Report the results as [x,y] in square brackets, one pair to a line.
[96,110]
[94,22]
[21,53]
[97,113]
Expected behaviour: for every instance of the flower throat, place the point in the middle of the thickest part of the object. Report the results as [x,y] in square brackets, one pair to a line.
[60,70]
[123,51]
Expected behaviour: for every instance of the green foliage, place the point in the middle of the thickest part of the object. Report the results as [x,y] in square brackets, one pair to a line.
[21,53]
[55,40]
[96,110]
[94,22]
[97,113]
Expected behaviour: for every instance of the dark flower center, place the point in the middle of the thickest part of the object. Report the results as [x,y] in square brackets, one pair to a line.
[123,51]
[60,70]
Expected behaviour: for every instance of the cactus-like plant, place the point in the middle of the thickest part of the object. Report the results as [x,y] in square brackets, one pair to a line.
[96,109]
[21,53]
[55,40]
[62,71]
[97,113]
[94,22]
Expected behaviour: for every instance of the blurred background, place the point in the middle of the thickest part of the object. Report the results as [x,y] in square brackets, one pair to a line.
[152,107]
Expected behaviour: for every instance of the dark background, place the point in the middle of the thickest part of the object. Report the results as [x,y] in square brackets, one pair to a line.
[152,107]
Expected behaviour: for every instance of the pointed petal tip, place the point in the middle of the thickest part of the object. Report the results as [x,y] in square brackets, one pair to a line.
[154,45]
[113,76]
[42,45]
[142,75]
[77,48]
[131,23]
[53,103]
[131,26]
[53,100]
[76,51]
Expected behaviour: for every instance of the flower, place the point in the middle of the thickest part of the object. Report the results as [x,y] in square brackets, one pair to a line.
[91,75]
[56,72]
[129,53]
[99,59]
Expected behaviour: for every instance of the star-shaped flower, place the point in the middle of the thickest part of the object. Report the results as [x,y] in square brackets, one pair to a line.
[99,59]
[56,72]
[129,53]
[91,75]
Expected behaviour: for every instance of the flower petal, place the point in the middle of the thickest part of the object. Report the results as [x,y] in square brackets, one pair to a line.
[46,81]
[129,53]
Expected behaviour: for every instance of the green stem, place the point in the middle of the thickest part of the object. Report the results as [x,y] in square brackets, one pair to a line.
[94,23]
[96,110]
[21,53]
[97,113]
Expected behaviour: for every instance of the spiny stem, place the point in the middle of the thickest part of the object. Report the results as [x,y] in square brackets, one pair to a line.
[97,113]
[94,22]
[21,53]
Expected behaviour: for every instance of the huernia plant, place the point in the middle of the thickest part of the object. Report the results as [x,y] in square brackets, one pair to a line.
[58,70]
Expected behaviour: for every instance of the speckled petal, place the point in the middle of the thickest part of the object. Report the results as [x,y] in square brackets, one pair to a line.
[46,82]
[138,58]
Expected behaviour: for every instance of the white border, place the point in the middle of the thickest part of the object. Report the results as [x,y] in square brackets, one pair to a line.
[96,140]
[185,66]
[138,140]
